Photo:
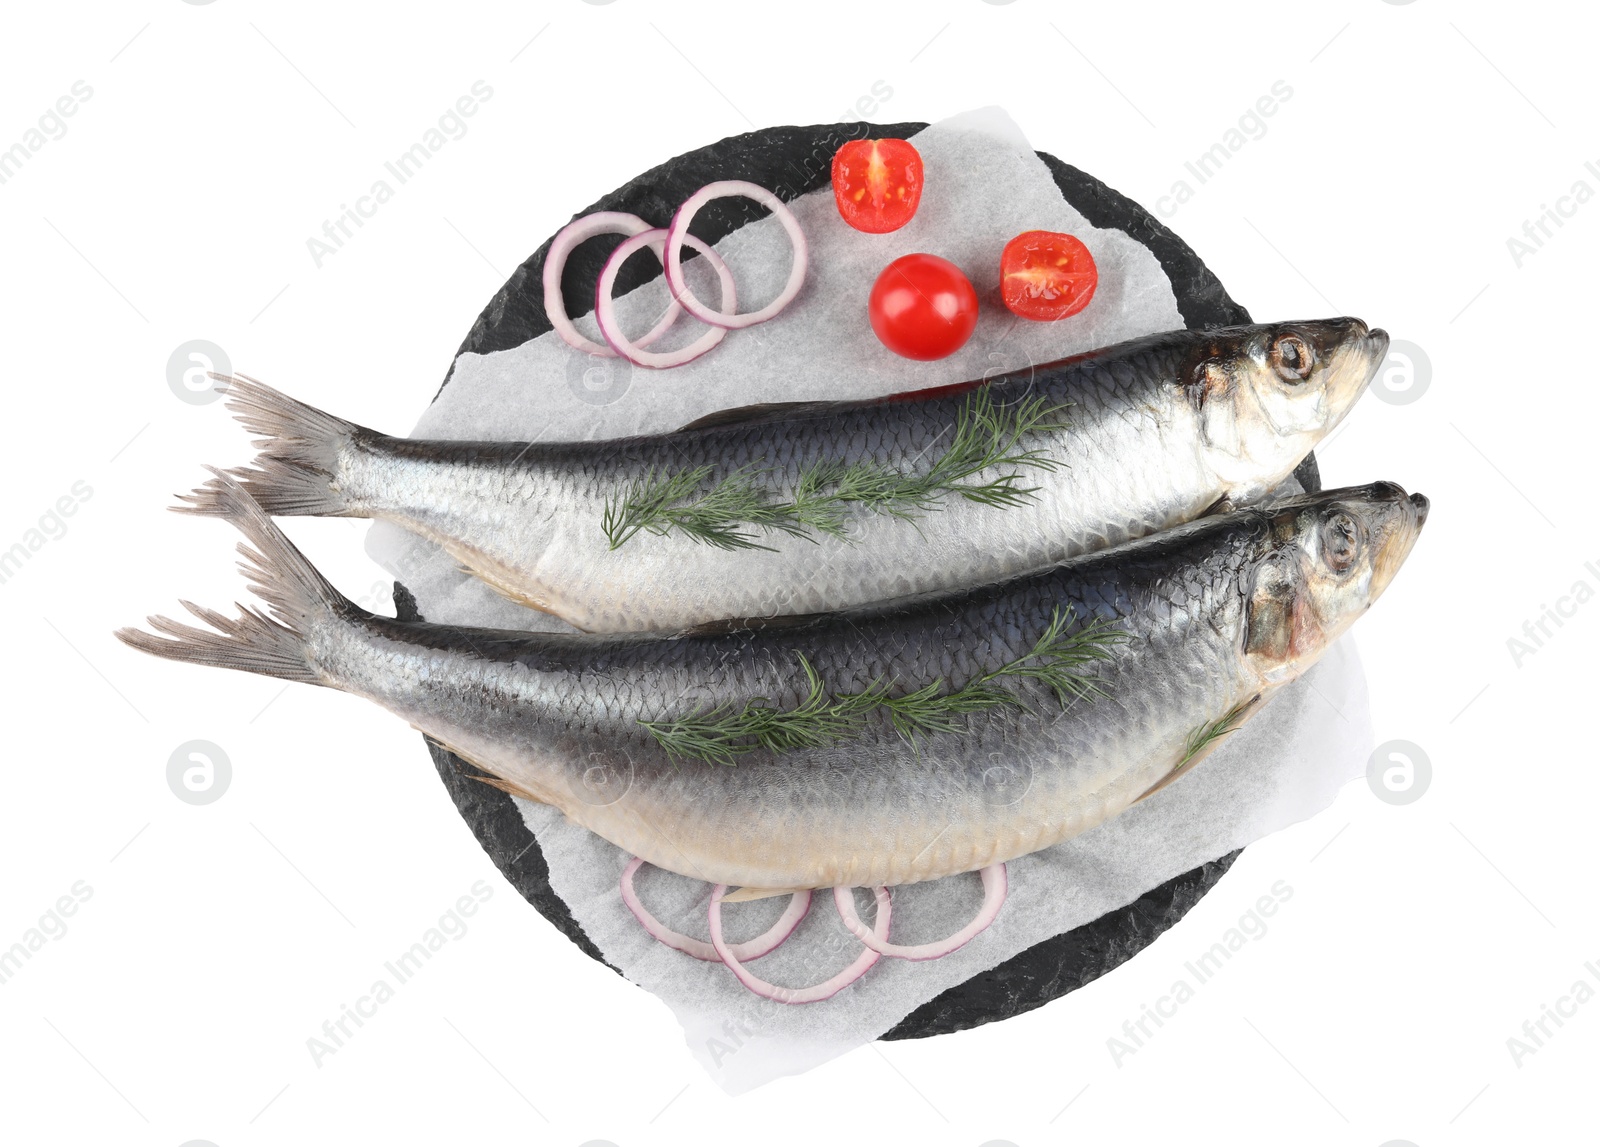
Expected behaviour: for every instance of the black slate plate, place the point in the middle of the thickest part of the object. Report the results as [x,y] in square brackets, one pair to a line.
[792,161]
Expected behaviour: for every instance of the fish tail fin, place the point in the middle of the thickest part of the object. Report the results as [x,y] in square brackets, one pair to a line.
[297,471]
[271,642]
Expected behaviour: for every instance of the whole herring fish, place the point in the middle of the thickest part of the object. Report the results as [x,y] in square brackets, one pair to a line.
[799,508]
[1210,619]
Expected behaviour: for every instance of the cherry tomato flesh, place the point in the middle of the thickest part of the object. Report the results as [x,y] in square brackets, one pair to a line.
[877,184]
[1045,275]
[923,307]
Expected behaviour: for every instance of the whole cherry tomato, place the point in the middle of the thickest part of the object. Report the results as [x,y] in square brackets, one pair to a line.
[923,307]
[1045,275]
[877,183]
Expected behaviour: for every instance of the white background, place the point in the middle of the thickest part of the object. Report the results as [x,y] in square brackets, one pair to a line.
[218,938]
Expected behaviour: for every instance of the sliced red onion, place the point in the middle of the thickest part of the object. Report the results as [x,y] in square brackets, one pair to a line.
[678,235]
[822,991]
[799,904]
[994,895]
[605,310]
[599,223]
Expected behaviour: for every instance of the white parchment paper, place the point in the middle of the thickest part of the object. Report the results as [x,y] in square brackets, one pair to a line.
[984,185]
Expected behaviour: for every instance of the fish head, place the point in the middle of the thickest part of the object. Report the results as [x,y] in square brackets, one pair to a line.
[1266,395]
[1325,559]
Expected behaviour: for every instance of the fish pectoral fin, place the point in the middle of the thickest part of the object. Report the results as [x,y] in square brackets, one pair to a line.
[1223,505]
[510,787]
[744,894]
[751,624]
[1181,770]
[757,412]
[489,777]
[1233,720]
[504,583]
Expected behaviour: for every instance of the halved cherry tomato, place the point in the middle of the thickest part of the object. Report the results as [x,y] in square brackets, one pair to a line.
[1045,275]
[923,307]
[877,183]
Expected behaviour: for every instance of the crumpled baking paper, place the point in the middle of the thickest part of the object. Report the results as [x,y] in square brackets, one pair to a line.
[984,185]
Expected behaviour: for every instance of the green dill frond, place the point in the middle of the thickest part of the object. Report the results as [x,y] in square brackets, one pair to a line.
[659,503]
[725,733]
[1058,659]
[1207,735]
[986,436]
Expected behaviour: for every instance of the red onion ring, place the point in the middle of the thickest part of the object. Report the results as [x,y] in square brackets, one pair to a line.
[678,235]
[605,311]
[822,991]
[799,904]
[555,307]
[994,895]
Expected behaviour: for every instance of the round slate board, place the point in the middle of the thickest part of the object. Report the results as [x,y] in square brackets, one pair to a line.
[792,161]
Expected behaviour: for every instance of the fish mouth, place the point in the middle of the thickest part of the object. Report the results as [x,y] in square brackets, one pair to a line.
[1396,527]
[1377,350]
[1371,343]
[1352,354]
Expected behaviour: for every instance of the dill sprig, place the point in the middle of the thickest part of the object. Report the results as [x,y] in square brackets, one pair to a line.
[1058,659]
[1203,739]
[986,436]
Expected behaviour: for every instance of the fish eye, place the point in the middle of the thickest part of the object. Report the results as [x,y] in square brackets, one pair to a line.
[1292,358]
[1341,541]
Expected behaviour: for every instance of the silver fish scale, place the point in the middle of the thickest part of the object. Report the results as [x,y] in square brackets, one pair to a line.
[559,717]
[1130,464]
